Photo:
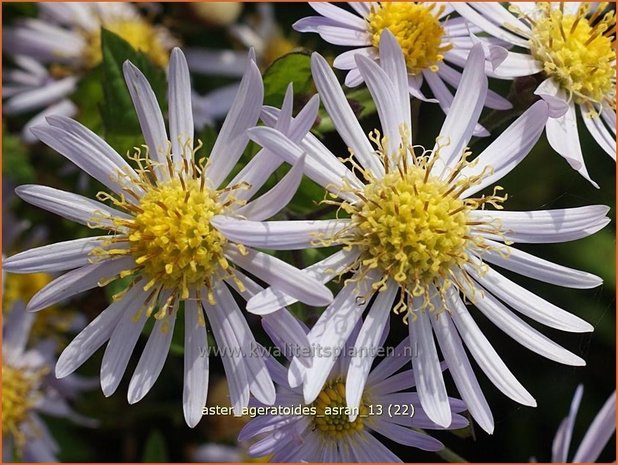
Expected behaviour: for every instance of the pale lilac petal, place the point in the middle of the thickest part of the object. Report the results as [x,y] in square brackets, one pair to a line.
[78,280]
[282,276]
[465,110]
[195,387]
[233,137]
[562,440]
[343,35]
[278,235]
[180,111]
[509,148]
[519,330]
[70,206]
[342,115]
[332,330]
[260,382]
[461,371]
[601,134]
[271,299]
[385,97]
[563,136]
[340,15]
[98,332]
[546,226]
[40,97]
[149,115]
[526,264]
[529,303]
[406,436]
[600,431]
[367,340]
[55,257]
[152,359]
[486,356]
[427,371]
[233,363]
[121,344]
[277,198]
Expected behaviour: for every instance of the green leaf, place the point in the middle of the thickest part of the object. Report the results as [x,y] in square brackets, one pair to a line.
[294,67]
[16,163]
[155,450]
[118,115]
[89,97]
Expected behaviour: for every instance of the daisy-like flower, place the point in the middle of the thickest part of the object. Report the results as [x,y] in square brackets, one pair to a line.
[262,34]
[421,238]
[572,45]
[53,50]
[28,390]
[322,431]
[431,40]
[596,438]
[158,231]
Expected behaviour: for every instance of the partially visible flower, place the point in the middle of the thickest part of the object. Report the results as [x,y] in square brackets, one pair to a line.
[158,231]
[220,453]
[324,431]
[598,434]
[260,33]
[573,46]
[431,41]
[217,13]
[29,389]
[55,49]
[421,241]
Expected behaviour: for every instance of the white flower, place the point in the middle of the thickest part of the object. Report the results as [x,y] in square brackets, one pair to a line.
[572,44]
[596,438]
[55,49]
[430,38]
[158,231]
[416,230]
[267,42]
[28,390]
[321,431]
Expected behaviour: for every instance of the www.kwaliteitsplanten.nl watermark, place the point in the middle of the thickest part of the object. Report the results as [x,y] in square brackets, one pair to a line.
[301,351]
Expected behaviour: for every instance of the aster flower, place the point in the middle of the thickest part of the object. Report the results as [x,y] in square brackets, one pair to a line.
[52,51]
[431,40]
[572,45]
[324,433]
[158,231]
[262,34]
[420,240]
[28,390]
[596,438]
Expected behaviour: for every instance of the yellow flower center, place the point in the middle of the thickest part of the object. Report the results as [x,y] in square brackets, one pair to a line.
[417,29]
[412,226]
[168,231]
[142,36]
[332,413]
[172,236]
[577,51]
[22,287]
[18,398]
[276,48]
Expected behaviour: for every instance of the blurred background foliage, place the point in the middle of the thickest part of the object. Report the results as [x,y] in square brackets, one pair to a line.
[154,430]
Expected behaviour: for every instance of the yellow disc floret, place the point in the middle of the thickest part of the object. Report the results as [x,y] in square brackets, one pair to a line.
[172,237]
[411,227]
[417,29]
[332,414]
[577,51]
[18,398]
[142,36]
